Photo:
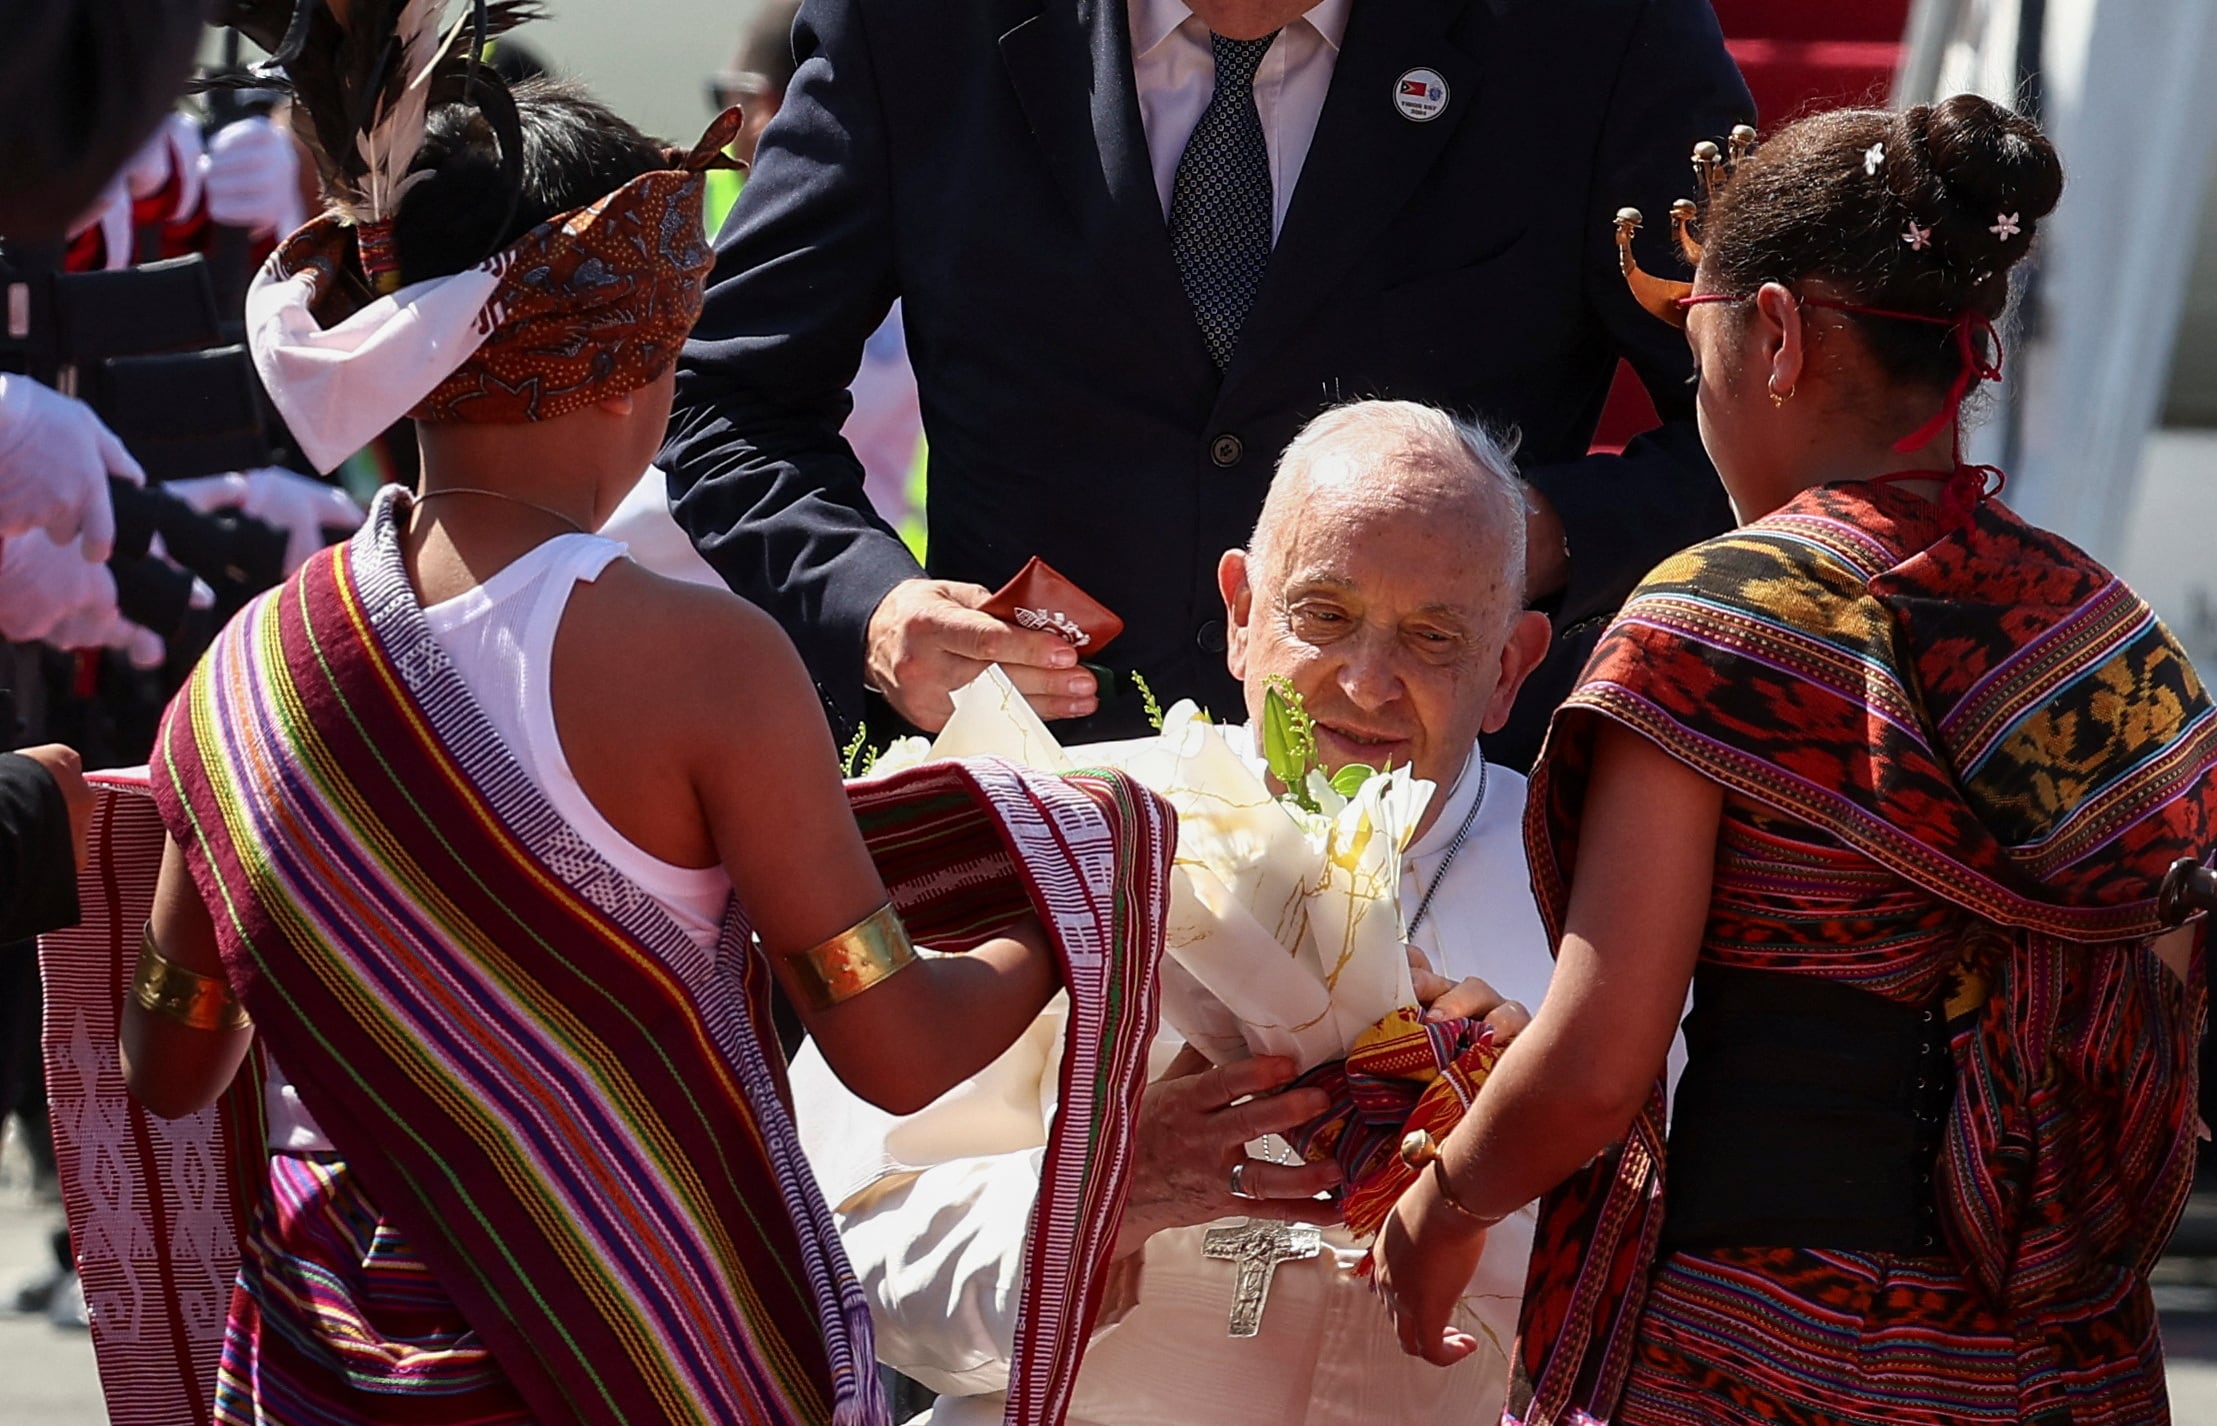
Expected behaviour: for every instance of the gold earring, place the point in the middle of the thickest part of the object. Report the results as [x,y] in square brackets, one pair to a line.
[1778,400]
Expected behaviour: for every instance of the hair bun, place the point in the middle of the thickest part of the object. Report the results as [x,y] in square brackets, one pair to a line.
[1986,177]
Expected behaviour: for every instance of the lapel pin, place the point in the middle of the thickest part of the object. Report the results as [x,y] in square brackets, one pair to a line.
[1420,95]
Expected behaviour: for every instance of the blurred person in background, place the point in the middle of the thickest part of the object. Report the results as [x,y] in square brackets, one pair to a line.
[84,186]
[885,425]
[82,82]
[44,807]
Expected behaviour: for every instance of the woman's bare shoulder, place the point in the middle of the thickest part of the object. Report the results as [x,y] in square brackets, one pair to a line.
[689,653]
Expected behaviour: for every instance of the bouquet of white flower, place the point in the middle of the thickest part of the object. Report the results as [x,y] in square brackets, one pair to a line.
[1285,931]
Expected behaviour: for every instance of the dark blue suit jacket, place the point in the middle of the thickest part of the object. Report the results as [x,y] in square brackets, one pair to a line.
[984,161]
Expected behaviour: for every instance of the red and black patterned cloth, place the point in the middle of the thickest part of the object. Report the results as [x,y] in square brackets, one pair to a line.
[1958,755]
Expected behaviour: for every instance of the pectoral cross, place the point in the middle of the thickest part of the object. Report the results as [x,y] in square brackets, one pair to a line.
[1258,1246]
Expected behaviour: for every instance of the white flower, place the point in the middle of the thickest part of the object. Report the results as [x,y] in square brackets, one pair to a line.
[1285,934]
[1918,238]
[2005,226]
[900,755]
[1873,157]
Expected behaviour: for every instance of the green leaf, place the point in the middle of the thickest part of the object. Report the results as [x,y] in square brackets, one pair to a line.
[1349,780]
[1288,740]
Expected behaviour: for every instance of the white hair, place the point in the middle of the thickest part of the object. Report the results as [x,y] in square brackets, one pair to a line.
[1404,444]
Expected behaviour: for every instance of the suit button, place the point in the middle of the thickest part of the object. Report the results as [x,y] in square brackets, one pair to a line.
[1209,638]
[1226,450]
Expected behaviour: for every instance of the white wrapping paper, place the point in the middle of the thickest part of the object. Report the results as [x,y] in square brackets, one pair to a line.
[1285,932]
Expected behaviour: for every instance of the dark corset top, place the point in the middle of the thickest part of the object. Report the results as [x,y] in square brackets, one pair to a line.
[1809,1116]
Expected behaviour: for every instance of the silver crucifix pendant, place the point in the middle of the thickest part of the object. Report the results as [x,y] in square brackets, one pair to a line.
[1258,1246]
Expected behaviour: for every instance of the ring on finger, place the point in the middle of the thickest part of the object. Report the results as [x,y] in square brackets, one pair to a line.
[1239,1181]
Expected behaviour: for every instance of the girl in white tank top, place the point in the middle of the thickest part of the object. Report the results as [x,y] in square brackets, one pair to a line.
[500,636]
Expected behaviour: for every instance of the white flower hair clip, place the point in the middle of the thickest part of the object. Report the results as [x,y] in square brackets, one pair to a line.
[1918,238]
[1873,157]
[2005,226]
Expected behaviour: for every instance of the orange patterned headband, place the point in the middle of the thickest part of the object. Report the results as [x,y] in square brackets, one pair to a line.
[590,304]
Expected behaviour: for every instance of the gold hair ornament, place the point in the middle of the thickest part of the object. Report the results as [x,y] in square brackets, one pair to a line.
[168,990]
[1714,166]
[866,954]
[1659,295]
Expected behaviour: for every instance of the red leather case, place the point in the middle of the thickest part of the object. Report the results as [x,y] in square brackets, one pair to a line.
[1039,598]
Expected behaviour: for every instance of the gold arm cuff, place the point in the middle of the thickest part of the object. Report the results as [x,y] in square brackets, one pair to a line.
[198,1002]
[872,950]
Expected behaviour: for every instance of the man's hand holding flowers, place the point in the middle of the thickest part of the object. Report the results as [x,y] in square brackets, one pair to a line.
[1198,1121]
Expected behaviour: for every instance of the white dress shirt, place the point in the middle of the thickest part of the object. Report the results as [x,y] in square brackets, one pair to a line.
[933,1210]
[1175,71]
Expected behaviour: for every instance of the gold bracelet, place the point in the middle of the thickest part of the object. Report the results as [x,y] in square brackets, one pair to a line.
[197,1002]
[1417,1150]
[867,953]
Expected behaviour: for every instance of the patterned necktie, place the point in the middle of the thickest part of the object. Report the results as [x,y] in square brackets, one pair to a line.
[1220,200]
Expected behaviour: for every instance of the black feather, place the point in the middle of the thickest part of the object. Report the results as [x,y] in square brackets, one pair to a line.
[345,65]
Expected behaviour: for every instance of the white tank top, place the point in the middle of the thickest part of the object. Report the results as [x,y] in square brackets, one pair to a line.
[500,636]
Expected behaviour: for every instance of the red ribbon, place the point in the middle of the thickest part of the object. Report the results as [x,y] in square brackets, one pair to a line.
[1966,488]
[1969,326]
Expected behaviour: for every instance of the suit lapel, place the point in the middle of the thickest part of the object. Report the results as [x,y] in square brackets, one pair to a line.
[1364,162]
[1072,68]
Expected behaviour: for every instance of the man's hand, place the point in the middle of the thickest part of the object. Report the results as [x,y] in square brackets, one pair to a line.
[1471,999]
[62,764]
[1194,1127]
[928,639]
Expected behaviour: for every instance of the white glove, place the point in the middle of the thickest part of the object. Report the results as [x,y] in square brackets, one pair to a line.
[107,629]
[55,460]
[303,508]
[46,587]
[111,213]
[253,178]
[175,149]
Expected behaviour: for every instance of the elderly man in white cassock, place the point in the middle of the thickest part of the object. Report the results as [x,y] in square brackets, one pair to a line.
[1385,579]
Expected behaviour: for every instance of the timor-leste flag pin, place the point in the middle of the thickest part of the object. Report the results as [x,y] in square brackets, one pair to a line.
[1420,95]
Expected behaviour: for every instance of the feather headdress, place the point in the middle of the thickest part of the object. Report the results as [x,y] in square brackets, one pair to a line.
[364,76]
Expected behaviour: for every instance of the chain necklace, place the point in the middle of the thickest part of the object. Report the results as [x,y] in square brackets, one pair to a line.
[499,495]
[1462,833]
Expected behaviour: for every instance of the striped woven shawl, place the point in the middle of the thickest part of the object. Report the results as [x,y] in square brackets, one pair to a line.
[574,1114]
[1995,719]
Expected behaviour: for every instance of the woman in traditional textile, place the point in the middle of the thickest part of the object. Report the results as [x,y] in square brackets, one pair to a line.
[1891,778]
[495,836]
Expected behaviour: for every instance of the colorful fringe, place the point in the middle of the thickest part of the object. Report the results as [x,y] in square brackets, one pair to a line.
[355,1328]
[1402,1074]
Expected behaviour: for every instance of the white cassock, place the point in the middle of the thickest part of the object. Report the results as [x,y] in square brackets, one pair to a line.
[933,1208]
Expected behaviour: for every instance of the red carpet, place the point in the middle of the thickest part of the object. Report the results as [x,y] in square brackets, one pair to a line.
[1797,57]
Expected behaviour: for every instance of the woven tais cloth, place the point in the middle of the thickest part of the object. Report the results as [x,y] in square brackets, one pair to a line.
[1401,1075]
[590,304]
